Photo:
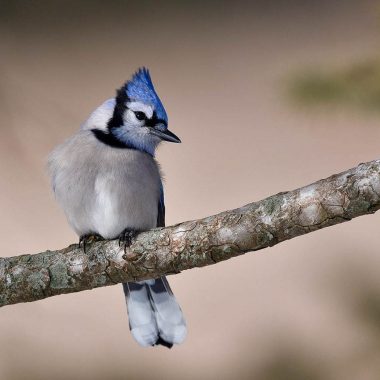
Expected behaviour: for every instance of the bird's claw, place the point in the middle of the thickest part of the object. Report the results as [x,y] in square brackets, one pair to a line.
[126,238]
[88,239]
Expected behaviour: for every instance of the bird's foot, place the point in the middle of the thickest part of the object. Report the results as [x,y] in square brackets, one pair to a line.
[126,238]
[84,240]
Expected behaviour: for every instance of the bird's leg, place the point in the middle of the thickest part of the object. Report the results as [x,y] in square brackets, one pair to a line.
[88,239]
[126,237]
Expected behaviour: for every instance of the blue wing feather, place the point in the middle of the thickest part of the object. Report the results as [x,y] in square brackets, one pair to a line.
[161,208]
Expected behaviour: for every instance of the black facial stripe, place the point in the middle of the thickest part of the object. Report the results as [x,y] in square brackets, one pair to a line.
[120,107]
[154,120]
[161,121]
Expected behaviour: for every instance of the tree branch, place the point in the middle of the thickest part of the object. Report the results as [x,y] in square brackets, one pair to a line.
[196,243]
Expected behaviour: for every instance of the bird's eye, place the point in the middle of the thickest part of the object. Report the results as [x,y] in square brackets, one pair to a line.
[140,115]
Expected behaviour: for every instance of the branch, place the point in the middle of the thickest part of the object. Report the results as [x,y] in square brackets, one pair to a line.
[196,243]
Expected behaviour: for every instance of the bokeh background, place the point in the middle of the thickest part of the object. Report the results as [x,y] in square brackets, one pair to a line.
[266,97]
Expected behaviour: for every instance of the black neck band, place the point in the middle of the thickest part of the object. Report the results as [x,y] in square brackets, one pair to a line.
[109,139]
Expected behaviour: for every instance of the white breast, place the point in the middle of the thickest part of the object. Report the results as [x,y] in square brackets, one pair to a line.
[105,190]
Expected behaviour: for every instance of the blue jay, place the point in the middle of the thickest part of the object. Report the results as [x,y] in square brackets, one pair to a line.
[109,184]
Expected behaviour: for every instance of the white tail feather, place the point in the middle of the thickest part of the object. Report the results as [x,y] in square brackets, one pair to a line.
[170,321]
[154,313]
[142,321]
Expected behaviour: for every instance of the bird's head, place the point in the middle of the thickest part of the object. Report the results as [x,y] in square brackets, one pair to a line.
[135,119]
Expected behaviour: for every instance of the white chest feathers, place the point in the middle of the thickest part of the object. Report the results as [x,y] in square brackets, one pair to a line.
[105,190]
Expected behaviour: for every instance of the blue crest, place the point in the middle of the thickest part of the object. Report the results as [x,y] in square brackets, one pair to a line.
[140,88]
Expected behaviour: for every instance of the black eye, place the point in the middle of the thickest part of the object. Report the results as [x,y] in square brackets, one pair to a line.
[140,115]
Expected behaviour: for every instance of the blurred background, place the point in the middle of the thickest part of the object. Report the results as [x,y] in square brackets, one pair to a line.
[266,97]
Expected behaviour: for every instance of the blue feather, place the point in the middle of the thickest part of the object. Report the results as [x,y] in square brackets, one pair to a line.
[161,208]
[140,88]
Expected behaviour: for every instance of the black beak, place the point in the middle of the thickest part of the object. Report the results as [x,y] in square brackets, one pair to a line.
[165,135]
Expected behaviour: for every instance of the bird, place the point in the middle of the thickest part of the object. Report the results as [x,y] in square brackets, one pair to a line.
[109,184]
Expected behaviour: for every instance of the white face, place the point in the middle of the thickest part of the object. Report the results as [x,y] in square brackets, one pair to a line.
[137,129]
[134,130]
[140,107]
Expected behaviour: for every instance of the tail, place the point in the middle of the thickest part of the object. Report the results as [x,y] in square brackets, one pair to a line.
[154,314]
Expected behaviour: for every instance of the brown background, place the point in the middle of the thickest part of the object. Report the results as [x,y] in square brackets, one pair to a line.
[298,310]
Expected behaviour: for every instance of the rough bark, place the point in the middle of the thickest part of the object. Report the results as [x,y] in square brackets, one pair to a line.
[207,241]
